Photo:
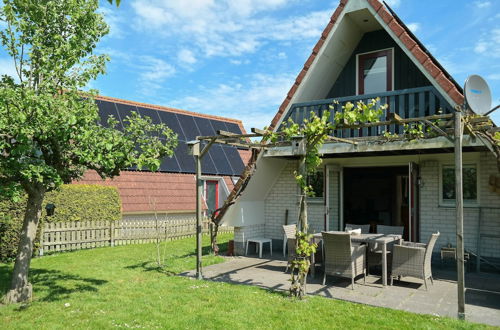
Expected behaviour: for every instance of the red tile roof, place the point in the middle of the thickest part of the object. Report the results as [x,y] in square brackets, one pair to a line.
[410,42]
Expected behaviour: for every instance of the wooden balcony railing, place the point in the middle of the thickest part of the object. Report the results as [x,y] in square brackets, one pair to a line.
[407,103]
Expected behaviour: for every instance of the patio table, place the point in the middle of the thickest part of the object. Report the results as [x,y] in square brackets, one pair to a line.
[380,239]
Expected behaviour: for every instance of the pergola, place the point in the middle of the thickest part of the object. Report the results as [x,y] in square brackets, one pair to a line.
[452,127]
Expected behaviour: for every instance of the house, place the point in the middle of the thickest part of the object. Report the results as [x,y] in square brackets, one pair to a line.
[172,190]
[366,51]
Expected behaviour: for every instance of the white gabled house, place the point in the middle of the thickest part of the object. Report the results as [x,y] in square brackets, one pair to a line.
[366,52]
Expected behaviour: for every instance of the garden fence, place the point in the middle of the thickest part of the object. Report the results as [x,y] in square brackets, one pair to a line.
[76,235]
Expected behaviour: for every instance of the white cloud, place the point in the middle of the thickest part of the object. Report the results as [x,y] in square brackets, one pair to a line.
[186,56]
[414,27]
[152,73]
[226,27]
[255,102]
[482,4]
[489,45]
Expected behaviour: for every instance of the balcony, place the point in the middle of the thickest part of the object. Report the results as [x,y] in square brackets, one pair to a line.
[407,103]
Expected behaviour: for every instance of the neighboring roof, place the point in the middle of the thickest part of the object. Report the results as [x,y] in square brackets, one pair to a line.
[173,192]
[412,44]
[220,160]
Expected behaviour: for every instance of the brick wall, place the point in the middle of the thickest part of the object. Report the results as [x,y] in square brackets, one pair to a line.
[435,217]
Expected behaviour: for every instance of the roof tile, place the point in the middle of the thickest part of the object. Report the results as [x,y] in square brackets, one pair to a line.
[432,68]
[444,82]
[408,41]
[396,28]
[384,14]
[420,55]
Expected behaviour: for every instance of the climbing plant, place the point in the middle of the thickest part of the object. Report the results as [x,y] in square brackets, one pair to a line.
[313,133]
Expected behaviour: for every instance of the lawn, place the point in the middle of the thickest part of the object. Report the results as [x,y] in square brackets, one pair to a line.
[121,287]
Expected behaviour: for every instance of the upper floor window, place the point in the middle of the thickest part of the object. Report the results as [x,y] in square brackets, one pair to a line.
[375,72]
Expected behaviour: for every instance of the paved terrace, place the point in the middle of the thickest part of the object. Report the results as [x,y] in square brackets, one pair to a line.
[482,294]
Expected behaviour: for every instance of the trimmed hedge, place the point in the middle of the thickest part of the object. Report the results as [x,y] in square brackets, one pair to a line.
[74,202]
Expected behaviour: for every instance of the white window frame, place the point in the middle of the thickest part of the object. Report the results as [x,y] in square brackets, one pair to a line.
[451,202]
[374,51]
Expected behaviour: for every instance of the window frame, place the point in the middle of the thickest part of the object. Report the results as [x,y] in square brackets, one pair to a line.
[389,52]
[451,202]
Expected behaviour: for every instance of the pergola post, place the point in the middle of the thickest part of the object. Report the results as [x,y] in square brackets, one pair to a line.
[459,212]
[195,148]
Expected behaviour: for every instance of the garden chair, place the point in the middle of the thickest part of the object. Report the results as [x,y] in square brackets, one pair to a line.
[341,258]
[390,230]
[374,253]
[289,232]
[291,252]
[365,229]
[414,259]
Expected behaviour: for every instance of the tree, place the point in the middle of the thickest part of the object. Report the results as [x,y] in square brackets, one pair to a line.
[313,133]
[49,131]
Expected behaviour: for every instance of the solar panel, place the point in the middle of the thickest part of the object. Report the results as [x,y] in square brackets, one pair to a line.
[107,109]
[124,110]
[188,126]
[233,128]
[221,162]
[186,161]
[204,126]
[170,119]
[170,164]
[234,159]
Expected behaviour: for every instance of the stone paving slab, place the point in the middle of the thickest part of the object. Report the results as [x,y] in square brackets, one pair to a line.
[482,294]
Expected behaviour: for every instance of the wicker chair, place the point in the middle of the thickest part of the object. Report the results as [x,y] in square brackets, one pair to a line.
[343,259]
[413,259]
[374,253]
[390,230]
[291,252]
[290,231]
[365,229]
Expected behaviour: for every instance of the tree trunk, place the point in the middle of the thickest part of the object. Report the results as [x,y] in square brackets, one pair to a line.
[20,288]
[303,198]
[213,237]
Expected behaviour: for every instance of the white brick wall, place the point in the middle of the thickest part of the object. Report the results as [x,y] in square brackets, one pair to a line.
[434,217]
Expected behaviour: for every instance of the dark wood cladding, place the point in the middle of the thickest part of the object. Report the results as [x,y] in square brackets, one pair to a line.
[406,73]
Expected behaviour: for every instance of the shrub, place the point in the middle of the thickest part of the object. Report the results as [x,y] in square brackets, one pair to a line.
[73,203]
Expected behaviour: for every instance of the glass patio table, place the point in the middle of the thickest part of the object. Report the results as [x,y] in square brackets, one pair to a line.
[379,239]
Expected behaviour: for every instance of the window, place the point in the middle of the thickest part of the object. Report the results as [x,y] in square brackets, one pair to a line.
[375,72]
[212,196]
[469,183]
[316,181]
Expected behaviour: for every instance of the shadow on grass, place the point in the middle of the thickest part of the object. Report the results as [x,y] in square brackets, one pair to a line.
[206,250]
[151,266]
[52,285]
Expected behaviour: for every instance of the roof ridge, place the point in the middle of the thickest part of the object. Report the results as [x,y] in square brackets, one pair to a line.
[168,109]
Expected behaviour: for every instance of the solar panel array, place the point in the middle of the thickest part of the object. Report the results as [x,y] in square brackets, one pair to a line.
[220,160]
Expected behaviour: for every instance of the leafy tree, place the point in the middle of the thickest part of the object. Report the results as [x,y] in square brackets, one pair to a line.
[49,131]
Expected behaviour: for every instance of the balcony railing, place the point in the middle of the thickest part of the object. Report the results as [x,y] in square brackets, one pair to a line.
[407,103]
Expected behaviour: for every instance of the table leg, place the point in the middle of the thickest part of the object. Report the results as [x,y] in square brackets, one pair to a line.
[246,249]
[271,246]
[260,250]
[384,264]
[313,265]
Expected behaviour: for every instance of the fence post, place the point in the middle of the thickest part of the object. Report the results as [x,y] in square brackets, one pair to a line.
[112,233]
[40,252]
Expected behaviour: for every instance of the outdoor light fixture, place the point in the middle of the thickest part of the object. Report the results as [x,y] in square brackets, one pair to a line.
[50,208]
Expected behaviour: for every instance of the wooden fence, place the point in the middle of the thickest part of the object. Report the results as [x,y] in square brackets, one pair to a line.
[76,235]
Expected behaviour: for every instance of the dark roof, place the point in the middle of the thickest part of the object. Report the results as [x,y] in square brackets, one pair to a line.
[422,55]
[220,160]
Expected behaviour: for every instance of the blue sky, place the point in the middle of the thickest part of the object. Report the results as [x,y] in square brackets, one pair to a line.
[238,58]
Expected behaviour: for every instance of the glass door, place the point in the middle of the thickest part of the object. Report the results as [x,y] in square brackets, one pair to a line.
[212,196]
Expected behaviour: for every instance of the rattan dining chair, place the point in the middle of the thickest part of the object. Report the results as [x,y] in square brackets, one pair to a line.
[341,258]
[365,229]
[414,259]
[289,232]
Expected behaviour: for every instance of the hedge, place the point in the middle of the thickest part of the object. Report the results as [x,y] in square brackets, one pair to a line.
[74,202]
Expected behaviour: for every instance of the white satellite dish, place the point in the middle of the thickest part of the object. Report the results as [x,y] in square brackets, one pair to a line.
[477,94]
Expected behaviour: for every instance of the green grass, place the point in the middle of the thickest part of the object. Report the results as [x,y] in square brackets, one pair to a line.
[121,287]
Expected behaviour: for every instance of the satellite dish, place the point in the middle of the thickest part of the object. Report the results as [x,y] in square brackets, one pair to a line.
[477,94]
